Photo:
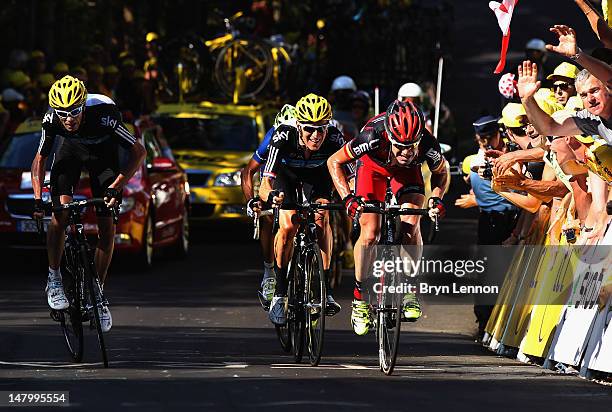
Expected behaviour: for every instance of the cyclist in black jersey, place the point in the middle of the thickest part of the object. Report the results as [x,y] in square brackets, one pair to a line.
[90,130]
[298,153]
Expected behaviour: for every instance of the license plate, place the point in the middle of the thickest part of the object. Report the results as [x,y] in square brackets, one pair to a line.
[29,226]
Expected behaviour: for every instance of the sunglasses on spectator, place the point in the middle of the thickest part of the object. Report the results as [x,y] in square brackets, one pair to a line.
[563,86]
[519,131]
[314,129]
[63,114]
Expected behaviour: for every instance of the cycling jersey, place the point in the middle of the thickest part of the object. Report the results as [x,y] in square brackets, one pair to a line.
[286,147]
[94,146]
[261,154]
[288,166]
[373,142]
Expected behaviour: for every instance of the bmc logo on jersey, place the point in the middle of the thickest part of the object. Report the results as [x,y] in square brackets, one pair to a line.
[48,118]
[278,136]
[433,155]
[109,121]
[365,147]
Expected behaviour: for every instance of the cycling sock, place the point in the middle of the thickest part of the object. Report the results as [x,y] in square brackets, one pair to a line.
[281,281]
[268,270]
[54,274]
[357,292]
[330,289]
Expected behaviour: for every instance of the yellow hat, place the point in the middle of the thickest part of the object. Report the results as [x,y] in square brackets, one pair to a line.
[60,67]
[45,80]
[97,69]
[465,165]
[574,104]
[37,54]
[598,159]
[547,102]
[567,70]
[18,79]
[513,115]
[112,69]
[151,36]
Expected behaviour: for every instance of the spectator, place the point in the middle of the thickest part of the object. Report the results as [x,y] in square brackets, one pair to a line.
[340,95]
[535,51]
[111,80]
[361,108]
[16,62]
[413,92]
[37,64]
[95,76]
[563,82]
[14,103]
[80,73]
[60,70]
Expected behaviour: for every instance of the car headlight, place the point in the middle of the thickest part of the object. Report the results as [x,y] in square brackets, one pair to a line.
[127,204]
[228,179]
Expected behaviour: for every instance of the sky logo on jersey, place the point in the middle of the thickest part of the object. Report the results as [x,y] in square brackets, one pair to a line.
[48,118]
[109,121]
[278,136]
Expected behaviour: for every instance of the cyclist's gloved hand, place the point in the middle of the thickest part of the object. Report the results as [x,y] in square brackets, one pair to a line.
[276,197]
[112,196]
[353,205]
[253,206]
[436,207]
[39,210]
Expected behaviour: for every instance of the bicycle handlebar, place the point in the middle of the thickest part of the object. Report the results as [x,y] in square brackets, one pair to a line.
[397,210]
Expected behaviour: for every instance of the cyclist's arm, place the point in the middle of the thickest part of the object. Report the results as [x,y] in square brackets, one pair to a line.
[136,152]
[335,164]
[246,178]
[439,179]
[47,137]
[275,154]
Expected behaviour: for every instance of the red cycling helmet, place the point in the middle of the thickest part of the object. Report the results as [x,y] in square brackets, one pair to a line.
[404,123]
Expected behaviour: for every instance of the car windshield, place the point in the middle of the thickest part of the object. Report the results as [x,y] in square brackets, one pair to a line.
[19,150]
[213,132]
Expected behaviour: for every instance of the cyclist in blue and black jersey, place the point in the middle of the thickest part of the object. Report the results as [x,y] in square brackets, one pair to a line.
[90,131]
[253,205]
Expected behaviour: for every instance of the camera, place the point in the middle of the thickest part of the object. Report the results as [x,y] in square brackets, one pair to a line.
[571,234]
[487,173]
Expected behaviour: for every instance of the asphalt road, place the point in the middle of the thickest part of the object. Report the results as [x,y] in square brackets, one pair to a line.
[191,335]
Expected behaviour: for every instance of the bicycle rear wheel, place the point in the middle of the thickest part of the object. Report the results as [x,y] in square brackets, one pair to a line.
[314,302]
[95,300]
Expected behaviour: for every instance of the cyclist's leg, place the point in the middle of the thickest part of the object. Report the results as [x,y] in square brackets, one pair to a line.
[268,282]
[103,170]
[408,187]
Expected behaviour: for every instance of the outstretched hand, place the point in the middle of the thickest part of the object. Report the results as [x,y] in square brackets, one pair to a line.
[567,41]
[528,83]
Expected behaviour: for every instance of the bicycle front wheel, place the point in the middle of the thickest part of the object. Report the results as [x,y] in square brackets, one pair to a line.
[314,302]
[95,300]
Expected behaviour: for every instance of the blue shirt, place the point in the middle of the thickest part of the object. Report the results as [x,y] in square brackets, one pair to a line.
[488,200]
[261,154]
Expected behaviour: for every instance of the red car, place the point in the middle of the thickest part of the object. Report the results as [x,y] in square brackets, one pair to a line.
[153,215]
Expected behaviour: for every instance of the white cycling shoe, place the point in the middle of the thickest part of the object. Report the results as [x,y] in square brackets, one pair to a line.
[106,320]
[278,310]
[56,298]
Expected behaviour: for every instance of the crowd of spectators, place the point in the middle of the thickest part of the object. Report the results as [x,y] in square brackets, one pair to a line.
[543,171]
[26,80]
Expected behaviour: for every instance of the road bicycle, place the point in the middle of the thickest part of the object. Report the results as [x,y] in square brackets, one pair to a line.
[81,283]
[307,286]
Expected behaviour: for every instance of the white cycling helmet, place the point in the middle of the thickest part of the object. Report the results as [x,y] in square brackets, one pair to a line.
[343,83]
[409,90]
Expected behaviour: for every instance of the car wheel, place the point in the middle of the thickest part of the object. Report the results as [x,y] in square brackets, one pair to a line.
[181,248]
[146,254]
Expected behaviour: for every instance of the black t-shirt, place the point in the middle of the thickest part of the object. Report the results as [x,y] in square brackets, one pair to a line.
[373,142]
[285,145]
[101,123]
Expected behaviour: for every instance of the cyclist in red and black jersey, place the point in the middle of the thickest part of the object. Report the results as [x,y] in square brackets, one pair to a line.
[391,148]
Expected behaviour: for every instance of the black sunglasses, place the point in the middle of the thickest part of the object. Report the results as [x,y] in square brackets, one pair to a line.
[312,129]
[563,86]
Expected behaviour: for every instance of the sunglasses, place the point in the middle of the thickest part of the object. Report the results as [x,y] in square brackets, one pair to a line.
[519,131]
[410,146]
[562,86]
[63,114]
[314,129]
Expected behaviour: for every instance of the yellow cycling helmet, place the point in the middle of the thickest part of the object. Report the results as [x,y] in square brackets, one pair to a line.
[67,92]
[598,159]
[312,109]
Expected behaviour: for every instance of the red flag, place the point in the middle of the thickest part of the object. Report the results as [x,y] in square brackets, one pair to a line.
[503,12]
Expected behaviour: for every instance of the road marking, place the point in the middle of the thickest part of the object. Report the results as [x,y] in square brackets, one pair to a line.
[50,364]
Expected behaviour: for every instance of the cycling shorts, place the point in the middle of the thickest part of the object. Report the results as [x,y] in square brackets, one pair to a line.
[101,160]
[316,183]
[371,180]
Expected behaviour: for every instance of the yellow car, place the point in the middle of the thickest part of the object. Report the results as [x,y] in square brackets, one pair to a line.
[213,142]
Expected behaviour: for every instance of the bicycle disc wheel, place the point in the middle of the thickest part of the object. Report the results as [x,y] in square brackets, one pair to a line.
[94,300]
[314,302]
